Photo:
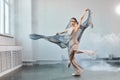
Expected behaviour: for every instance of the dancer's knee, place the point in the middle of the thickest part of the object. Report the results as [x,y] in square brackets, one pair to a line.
[74,50]
[72,55]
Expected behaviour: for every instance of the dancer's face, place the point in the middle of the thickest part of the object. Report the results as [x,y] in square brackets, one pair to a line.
[73,22]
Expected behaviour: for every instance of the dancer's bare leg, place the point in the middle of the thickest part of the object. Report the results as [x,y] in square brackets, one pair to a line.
[77,68]
[72,53]
[89,52]
[71,56]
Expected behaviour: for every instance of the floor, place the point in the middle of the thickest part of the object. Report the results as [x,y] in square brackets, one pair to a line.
[60,72]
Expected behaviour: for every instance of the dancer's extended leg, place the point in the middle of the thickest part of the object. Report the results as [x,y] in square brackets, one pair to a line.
[89,52]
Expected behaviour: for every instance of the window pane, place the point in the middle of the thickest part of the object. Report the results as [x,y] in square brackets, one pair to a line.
[1,16]
[6,18]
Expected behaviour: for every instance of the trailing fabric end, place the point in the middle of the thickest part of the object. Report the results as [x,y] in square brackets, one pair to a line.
[36,36]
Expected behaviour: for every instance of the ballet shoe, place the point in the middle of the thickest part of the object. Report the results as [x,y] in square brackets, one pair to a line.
[78,73]
[75,74]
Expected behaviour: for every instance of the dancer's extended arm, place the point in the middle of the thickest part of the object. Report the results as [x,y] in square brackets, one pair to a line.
[62,32]
[81,18]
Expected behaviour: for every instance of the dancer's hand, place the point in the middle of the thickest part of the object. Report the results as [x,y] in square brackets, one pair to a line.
[87,9]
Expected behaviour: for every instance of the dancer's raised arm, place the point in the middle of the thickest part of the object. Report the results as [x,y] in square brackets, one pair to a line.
[81,18]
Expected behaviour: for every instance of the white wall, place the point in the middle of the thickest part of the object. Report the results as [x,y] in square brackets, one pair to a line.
[23,27]
[50,16]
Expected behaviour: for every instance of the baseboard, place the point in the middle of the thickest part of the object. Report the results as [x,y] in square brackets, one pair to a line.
[10,70]
[48,61]
[30,63]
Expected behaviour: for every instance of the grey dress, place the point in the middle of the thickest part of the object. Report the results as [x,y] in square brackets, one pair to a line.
[64,40]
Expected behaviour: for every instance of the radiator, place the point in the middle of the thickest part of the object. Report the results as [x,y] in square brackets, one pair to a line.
[10,58]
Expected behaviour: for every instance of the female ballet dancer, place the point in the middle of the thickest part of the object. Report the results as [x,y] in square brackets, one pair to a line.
[74,43]
[70,38]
